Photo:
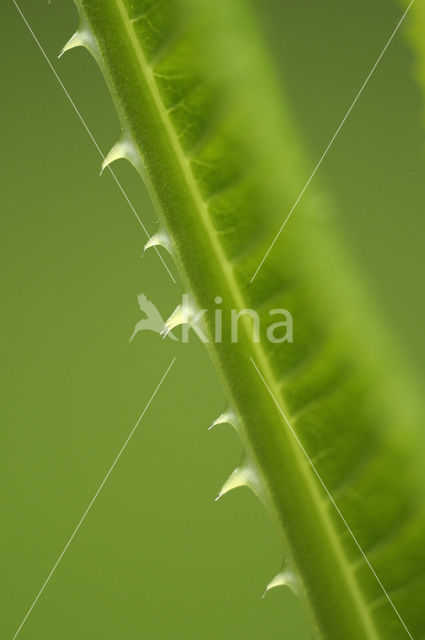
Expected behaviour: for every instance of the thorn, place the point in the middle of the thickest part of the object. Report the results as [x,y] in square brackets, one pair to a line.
[228,417]
[123,149]
[76,40]
[240,477]
[181,315]
[159,239]
[117,152]
[285,578]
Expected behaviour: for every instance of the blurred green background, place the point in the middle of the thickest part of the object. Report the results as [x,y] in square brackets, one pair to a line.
[156,557]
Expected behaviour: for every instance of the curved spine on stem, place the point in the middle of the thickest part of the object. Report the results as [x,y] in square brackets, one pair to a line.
[176,319]
[78,39]
[183,314]
[83,37]
[227,417]
[242,476]
[160,239]
[285,578]
[123,149]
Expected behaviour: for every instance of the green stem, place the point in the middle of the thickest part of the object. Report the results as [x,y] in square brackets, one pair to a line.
[290,489]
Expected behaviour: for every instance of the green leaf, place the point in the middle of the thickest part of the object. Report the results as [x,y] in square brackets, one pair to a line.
[330,423]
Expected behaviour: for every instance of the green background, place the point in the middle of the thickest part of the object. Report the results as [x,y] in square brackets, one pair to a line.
[156,557]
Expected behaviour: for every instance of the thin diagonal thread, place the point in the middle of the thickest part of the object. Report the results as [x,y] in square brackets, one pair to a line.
[91,136]
[102,484]
[332,140]
[319,477]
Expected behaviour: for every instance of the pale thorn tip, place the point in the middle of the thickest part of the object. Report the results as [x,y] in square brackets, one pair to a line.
[240,477]
[159,239]
[76,40]
[179,316]
[225,418]
[119,151]
[166,330]
[283,579]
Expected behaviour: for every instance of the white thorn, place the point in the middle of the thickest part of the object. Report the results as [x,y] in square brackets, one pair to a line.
[76,40]
[175,319]
[284,578]
[182,314]
[240,477]
[159,239]
[123,149]
[227,417]
[117,152]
